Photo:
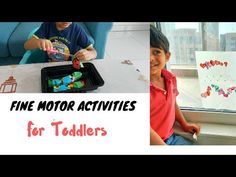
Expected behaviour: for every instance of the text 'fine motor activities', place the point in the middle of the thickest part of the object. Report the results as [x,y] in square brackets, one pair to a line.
[71,106]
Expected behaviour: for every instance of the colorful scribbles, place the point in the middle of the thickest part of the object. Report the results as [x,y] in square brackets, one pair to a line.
[212,63]
[9,86]
[207,93]
[220,91]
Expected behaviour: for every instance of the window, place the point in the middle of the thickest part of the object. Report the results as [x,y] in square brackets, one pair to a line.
[186,40]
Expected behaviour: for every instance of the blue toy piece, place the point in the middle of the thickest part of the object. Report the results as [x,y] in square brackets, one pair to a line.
[67,80]
[76,85]
[56,82]
[60,88]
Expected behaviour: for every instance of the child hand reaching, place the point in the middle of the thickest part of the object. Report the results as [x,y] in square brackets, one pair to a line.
[44,44]
[84,54]
[192,128]
[66,37]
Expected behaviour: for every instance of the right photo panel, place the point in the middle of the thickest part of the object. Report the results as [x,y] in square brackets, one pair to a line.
[192,83]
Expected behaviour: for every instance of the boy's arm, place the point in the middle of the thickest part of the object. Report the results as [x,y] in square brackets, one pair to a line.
[179,117]
[37,43]
[155,139]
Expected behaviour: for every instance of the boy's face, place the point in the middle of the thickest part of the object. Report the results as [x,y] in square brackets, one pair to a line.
[158,59]
[63,25]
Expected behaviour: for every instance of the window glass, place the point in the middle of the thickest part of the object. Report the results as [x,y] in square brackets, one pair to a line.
[203,57]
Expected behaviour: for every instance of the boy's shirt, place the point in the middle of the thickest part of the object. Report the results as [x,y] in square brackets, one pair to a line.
[162,105]
[66,41]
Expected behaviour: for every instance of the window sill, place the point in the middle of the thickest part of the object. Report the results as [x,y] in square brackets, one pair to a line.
[211,134]
[185,72]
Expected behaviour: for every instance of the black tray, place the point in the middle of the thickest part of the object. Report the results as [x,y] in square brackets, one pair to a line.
[90,75]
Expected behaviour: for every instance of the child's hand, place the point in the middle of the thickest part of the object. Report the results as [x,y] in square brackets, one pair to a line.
[192,128]
[45,44]
[83,54]
[52,51]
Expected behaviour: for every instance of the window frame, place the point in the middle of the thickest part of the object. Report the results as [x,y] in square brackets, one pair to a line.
[208,116]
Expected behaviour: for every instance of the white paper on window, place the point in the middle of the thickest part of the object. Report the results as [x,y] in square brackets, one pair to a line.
[217,79]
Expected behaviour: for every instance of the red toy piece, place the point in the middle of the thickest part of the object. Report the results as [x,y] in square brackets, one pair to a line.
[76,63]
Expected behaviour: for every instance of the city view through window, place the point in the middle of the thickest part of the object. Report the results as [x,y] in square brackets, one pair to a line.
[186,38]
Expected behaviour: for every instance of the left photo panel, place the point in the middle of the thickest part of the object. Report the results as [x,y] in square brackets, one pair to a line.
[74,87]
[74,57]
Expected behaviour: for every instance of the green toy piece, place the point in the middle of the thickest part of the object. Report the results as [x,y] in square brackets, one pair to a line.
[78,84]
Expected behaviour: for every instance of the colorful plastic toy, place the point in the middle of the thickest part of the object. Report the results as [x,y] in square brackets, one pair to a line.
[77,84]
[65,80]
[59,53]
[76,63]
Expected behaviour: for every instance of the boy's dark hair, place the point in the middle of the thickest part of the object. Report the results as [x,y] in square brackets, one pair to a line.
[158,39]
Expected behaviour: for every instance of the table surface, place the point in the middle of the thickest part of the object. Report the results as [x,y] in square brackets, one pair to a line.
[118,77]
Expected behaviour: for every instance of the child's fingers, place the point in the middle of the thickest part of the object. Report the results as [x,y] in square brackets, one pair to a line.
[49,45]
[197,129]
[43,47]
[83,51]
[80,55]
[77,55]
[192,130]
